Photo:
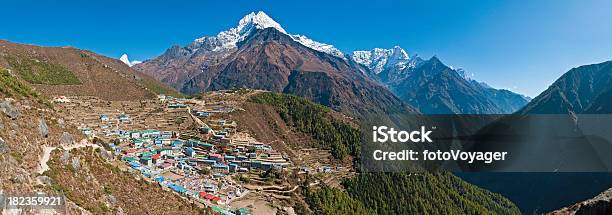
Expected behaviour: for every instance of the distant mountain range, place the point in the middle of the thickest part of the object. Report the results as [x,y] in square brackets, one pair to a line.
[433,87]
[260,54]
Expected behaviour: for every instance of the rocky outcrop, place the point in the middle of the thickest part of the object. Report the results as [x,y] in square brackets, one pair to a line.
[8,109]
[600,204]
[66,139]
[3,146]
[43,129]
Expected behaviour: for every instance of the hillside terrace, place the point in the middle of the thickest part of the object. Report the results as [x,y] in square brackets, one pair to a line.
[163,142]
[110,118]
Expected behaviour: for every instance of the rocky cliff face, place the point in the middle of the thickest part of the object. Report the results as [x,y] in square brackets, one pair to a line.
[600,204]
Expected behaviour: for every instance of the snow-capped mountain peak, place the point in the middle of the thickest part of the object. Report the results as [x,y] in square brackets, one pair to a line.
[399,54]
[379,59]
[124,58]
[229,39]
[398,58]
[362,57]
[260,20]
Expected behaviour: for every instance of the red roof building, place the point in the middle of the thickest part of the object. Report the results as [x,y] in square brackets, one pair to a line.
[209,196]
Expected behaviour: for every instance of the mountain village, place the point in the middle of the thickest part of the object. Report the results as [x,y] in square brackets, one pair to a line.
[188,146]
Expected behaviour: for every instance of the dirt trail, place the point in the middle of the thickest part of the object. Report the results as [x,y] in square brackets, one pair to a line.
[196,119]
[42,166]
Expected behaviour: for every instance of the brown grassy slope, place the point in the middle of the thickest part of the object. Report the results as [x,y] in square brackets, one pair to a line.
[101,188]
[99,76]
[266,125]
[23,144]
[21,141]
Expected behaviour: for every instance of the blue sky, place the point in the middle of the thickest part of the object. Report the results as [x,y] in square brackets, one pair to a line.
[519,45]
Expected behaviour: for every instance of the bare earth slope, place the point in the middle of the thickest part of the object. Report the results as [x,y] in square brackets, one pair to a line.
[66,71]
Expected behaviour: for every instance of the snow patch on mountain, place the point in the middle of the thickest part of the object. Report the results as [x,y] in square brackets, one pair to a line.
[322,47]
[465,75]
[124,58]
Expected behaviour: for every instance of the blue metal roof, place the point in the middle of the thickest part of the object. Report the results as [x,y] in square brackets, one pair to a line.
[177,188]
[160,179]
[134,164]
